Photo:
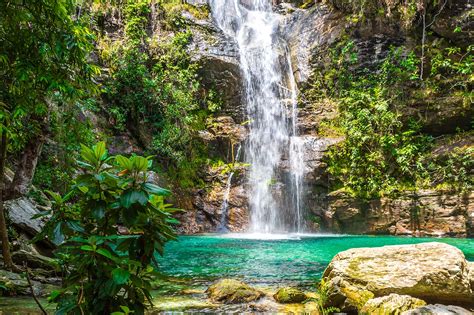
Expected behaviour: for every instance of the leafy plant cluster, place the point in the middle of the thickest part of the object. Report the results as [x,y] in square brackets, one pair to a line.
[173,9]
[155,92]
[109,230]
[56,166]
[384,151]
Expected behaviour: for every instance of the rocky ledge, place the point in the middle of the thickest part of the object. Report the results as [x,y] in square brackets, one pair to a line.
[402,278]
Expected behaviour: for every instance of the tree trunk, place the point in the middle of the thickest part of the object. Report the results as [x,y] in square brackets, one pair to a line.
[7,258]
[26,167]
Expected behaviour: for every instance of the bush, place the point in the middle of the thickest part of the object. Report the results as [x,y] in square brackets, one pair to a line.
[109,237]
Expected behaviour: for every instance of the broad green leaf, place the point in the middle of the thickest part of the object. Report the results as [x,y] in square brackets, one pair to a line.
[139,163]
[120,276]
[75,226]
[99,151]
[123,162]
[105,253]
[88,155]
[133,196]
[155,189]
[58,236]
[56,197]
[87,248]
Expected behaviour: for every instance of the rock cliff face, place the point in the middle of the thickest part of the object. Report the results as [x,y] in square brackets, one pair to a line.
[420,213]
[310,29]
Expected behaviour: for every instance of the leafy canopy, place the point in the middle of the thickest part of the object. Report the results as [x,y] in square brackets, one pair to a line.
[43,52]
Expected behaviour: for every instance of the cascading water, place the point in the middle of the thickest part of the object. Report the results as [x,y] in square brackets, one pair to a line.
[225,202]
[269,99]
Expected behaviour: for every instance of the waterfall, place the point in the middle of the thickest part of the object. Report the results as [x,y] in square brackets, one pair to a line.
[270,97]
[225,202]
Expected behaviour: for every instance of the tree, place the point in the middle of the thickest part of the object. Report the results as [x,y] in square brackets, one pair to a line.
[109,238]
[43,61]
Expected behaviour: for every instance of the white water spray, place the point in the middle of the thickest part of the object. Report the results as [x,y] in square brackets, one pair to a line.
[266,68]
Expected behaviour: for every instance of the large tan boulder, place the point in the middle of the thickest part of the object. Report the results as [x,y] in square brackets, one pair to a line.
[230,291]
[434,272]
[392,304]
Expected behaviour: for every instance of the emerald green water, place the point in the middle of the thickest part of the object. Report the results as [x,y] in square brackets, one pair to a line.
[298,261]
[190,264]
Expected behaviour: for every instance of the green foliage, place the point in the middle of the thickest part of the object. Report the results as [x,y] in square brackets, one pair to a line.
[154,83]
[173,9]
[56,166]
[383,150]
[323,296]
[108,238]
[43,53]
[451,69]
[379,149]
[452,170]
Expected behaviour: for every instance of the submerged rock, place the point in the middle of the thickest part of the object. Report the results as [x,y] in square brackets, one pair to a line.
[438,309]
[290,295]
[230,291]
[391,304]
[434,272]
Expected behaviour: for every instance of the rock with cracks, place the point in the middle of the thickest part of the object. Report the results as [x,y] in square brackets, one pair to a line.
[433,272]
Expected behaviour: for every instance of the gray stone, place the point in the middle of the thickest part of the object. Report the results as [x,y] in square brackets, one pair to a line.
[21,211]
[34,260]
[17,284]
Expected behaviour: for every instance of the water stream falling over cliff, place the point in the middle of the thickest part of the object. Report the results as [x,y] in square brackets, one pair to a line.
[270,93]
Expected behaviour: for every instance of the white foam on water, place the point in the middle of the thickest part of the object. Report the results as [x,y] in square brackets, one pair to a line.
[276,236]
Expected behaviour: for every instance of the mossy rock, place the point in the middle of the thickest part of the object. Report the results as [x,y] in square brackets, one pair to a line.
[35,261]
[290,295]
[392,304]
[356,297]
[230,291]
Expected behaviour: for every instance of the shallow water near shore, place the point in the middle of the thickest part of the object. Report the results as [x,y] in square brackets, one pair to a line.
[267,261]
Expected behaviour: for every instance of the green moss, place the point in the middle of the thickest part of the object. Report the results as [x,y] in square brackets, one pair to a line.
[357,297]
[289,295]
[232,291]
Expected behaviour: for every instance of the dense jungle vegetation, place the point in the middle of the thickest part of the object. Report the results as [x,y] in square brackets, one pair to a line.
[74,73]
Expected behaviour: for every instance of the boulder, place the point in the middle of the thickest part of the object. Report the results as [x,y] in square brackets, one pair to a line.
[438,309]
[434,272]
[391,304]
[289,295]
[21,212]
[34,260]
[230,291]
[13,284]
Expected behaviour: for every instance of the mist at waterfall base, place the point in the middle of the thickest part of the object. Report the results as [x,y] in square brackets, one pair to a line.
[271,103]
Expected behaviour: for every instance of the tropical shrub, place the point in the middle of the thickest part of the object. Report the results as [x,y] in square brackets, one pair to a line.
[109,229]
